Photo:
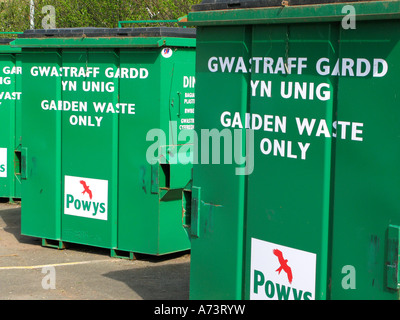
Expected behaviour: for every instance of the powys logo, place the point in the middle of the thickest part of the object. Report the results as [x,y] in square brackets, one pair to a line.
[91,202]
[166,52]
[283,265]
[3,162]
[281,273]
[87,190]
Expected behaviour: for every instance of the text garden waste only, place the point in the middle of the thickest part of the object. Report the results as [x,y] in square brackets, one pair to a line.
[10,129]
[314,211]
[100,119]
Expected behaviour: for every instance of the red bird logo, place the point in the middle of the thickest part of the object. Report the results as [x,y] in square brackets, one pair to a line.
[284,266]
[87,190]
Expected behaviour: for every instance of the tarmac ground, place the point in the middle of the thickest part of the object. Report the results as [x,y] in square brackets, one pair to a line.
[29,271]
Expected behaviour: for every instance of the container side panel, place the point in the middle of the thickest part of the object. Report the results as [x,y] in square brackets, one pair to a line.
[90,147]
[18,128]
[10,96]
[138,205]
[288,206]
[41,132]
[177,121]
[367,157]
[217,250]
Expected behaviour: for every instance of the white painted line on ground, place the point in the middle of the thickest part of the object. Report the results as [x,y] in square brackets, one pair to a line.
[53,265]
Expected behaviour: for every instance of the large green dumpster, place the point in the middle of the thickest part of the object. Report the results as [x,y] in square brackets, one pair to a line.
[309,94]
[10,131]
[92,97]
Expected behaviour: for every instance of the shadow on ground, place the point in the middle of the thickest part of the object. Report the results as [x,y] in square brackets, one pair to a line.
[156,282]
[148,277]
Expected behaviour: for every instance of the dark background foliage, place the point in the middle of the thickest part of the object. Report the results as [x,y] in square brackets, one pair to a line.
[15,14]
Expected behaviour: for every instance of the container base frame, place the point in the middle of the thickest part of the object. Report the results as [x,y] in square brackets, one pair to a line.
[57,244]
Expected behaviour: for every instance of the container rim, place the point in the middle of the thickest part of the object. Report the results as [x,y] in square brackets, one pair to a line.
[207,5]
[327,12]
[110,32]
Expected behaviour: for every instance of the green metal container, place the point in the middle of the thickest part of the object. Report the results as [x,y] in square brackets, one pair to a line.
[315,214]
[92,98]
[10,130]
